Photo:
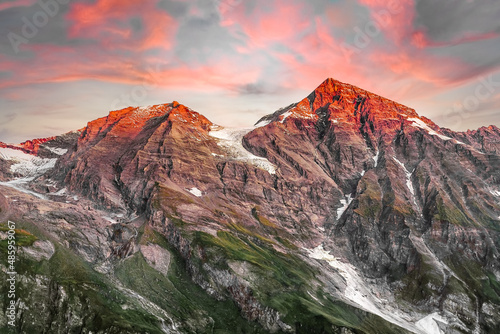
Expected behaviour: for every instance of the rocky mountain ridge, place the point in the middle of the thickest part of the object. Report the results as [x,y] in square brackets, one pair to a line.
[343,213]
[29,146]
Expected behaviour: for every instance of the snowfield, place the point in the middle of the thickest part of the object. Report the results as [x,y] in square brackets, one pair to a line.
[195,191]
[359,293]
[25,164]
[28,166]
[21,184]
[418,123]
[231,140]
[429,324]
[345,204]
[56,150]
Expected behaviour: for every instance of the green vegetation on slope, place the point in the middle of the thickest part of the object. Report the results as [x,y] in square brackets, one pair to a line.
[283,282]
[179,295]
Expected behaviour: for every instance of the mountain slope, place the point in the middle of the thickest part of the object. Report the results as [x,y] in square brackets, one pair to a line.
[416,196]
[344,212]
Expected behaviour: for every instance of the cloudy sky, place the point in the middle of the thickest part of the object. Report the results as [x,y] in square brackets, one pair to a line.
[66,62]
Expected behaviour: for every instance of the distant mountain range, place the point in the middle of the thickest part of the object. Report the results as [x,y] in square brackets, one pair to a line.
[343,213]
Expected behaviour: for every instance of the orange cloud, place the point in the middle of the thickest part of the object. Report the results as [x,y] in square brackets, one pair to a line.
[108,21]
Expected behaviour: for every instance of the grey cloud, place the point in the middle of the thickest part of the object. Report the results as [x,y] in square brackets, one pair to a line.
[253,89]
[448,20]
[5,74]
[54,31]
[203,39]
[174,8]
[137,25]
[481,57]
[453,25]
[7,118]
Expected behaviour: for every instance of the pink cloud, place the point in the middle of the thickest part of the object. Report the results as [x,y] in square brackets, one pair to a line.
[17,3]
[311,53]
[421,40]
[283,42]
[270,22]
[320,57]
[438,71]
[108,21]
[393,17]
[56,64]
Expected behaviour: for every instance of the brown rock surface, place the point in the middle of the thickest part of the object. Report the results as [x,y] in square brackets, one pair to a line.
[410,206]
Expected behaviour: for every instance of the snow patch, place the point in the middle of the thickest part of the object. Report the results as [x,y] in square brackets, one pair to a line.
[60,192]
[357,291]
[495,193]
[56,150]
[314,297]
[429,324]
[418,123]
[231,140]
[375,158]
[195,191]
[25,164]
[217,155]
[34,167]
[21,185]
[110,219]
[345,204]
[143,109]
[409,184]
[285,116]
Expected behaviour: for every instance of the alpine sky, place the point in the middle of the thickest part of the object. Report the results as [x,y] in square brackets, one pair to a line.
[63,62]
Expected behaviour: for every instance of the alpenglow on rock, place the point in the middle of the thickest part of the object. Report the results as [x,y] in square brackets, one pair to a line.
[345,212]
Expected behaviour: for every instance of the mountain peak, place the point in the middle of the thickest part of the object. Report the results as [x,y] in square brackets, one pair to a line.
[332,90]
[129,122]
[329,83]
[340,103]
[136,117]
[183,114]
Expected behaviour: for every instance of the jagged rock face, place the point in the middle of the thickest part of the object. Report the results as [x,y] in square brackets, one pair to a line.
[169,150]
[5,173]
[29,146]
[401,170]
[485,139]
[94,166]
[410,209]
[405,176]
